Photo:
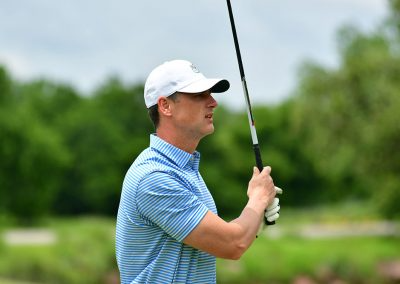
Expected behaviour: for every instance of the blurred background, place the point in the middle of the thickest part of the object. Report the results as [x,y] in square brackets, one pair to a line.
[324,79]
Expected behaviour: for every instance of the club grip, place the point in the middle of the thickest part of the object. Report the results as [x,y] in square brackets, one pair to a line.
[257,153]
[260,167]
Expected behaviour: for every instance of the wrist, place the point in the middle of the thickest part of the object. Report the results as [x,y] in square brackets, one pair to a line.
[257,206]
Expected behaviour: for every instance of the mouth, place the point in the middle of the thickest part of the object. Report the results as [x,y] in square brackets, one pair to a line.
[209,116]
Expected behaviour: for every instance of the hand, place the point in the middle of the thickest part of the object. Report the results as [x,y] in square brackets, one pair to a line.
[261,190]
[272,211]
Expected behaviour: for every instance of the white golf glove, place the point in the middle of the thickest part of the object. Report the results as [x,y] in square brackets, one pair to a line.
[272,211]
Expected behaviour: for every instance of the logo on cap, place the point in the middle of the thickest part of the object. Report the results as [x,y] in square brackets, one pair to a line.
[195,70]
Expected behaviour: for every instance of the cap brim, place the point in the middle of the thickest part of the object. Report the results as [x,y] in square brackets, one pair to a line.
[215,85]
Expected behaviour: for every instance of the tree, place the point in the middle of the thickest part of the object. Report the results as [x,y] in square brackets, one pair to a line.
[5,87]
[104,134]
[347,118]
[32,160]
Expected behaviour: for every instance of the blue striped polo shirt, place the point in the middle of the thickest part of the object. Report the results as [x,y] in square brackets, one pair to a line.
[163,199]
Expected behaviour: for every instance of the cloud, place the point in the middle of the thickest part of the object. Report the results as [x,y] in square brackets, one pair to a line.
[85,41]
[16,63]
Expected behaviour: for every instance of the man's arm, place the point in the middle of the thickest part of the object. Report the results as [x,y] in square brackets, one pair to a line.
[231,239]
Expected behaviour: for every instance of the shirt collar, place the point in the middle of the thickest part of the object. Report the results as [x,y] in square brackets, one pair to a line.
[178,156]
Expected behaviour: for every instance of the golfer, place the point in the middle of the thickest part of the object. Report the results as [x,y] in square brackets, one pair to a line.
[168,229]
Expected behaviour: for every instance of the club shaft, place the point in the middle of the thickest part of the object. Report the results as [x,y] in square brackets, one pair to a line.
[253,131]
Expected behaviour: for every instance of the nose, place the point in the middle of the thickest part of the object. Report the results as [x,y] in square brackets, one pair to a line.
[212,102]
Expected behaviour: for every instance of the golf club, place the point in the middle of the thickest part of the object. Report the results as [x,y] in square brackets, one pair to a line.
[253,131]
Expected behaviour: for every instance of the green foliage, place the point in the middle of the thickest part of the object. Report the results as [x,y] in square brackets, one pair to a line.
[5,86]
[32,160]
[353,128]
[394,19]
[104,134]
[336,139]
[83,253]
[323,260]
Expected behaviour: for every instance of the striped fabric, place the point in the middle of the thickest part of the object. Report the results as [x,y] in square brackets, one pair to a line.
[163,199]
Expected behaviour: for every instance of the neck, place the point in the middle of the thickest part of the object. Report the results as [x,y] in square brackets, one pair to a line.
[183,142]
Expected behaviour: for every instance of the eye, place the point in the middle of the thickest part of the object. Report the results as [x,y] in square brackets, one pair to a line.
[203,94]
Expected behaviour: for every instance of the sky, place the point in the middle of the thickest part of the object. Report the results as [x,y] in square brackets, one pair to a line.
[84,42]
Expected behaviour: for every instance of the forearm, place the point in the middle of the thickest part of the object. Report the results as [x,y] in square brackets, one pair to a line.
[248,224]
[227,239]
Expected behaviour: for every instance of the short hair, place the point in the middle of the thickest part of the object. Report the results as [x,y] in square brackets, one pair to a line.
[153,111]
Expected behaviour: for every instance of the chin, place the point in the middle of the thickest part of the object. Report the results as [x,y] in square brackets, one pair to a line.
[210,131]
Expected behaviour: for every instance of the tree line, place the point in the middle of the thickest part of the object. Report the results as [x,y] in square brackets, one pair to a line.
[336,138]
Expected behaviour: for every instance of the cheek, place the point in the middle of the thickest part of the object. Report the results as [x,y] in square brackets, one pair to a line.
[192,113]
[189,115]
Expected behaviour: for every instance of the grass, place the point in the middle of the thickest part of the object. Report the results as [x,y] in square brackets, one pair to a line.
[7,281]
[282,259]
[354,260]
[84,253]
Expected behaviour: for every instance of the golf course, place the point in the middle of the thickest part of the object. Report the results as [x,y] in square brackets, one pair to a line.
[332,144]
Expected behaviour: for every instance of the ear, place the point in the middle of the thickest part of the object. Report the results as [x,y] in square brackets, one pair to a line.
[164,106]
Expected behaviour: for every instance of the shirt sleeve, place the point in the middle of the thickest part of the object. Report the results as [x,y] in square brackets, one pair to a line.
[169,203]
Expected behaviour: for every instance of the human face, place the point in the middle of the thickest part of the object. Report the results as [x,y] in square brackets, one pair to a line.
[193,114]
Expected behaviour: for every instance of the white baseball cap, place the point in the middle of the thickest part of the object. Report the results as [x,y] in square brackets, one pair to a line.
[179,76]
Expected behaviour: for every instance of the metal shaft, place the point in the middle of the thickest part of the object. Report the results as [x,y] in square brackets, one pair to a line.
[253,131]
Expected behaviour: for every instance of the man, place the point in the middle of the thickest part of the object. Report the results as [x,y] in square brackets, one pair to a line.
[168,230]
